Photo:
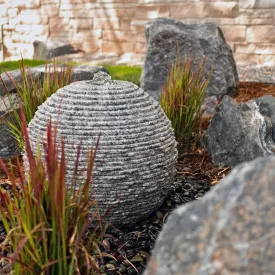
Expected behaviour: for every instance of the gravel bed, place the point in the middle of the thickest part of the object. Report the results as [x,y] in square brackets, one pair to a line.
[127,250]
[132,246]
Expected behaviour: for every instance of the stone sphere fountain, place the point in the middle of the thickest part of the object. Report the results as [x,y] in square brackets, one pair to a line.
[135,162]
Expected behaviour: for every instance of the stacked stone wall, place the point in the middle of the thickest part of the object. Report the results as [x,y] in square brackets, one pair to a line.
[118,25]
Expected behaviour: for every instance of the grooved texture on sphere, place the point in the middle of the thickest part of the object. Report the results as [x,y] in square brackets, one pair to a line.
[135,163]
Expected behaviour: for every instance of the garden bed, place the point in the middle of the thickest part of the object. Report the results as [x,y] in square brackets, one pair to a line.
[126,250]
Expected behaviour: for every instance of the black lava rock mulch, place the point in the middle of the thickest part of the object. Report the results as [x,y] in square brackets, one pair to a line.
[128,249]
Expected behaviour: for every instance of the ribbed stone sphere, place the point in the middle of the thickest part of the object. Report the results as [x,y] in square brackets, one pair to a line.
[135,162]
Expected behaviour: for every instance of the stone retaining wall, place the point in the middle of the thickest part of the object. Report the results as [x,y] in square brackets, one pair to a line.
[118,25]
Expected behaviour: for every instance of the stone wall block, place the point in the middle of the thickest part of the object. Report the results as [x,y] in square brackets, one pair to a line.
[164,11]
[106,24]
[125,24]
[58,24]
[51,1]
[216,20]
[255,21]
[147,12]
[33,19]
[81,23]
[117,47]
[234,33]
[140,48]
[22,28]
[91,45]
[3,10]
[257,4]
[260,34]
[49,10]
[263,49]
[223,9]
[12,12]
[81,34]
[190,10]
[121,12]
[24,3]
[39,30]
[256,13]
[119,36]
[268,60]
[4,20]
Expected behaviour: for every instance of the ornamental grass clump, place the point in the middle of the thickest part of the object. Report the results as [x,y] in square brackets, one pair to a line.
[48,224]
[33,92]
[181,99]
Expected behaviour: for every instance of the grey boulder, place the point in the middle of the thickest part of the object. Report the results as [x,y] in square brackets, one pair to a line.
[229,231]
[241,132]
[52,48]
[166,36]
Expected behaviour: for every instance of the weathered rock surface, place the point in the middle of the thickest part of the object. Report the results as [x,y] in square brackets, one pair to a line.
[229,231]
[209,106]
[241,132]
[7,142]
[51,49]
[135,163]
[164,36]
[15,76]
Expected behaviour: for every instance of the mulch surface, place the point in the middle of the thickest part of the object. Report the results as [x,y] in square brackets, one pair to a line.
[249,90]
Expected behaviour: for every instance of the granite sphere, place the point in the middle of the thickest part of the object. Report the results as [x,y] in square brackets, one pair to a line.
[135,162]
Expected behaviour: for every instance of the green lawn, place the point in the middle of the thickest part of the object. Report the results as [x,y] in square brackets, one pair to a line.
[13,65]
[122,72]
[119,72]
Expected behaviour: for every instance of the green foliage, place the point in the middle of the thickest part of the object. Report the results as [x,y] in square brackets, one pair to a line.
[13,65]
[33,93]
[46,221]
[119,72]
[181,99]
[127,73]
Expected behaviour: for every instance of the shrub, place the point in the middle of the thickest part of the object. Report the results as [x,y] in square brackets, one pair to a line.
[45,220]
[182,97]
[32,93]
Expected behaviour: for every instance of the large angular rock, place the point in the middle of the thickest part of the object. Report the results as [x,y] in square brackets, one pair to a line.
[51,49]
[229,231]
[241,132]
[8,145]
[164,36]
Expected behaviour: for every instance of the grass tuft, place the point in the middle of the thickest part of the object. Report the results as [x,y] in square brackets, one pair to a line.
[32,93]
[181,99]
[123,72]
[46,220]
